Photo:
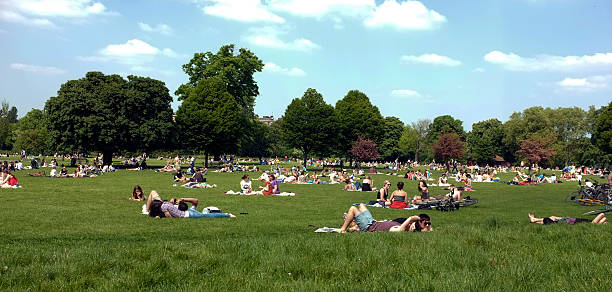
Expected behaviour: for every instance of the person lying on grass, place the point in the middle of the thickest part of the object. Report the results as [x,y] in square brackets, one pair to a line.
[138,194]
[178,208]
[600,219]
[360,218]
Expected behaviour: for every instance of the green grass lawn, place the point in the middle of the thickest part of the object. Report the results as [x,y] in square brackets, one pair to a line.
[74,234]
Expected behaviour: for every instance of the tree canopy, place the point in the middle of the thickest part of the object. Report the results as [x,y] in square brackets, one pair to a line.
[485,140]
[448,146]
[446,124]
[390,146]
[364,150]
[108,113]
[602,134]
[236,70]
[208,120]
[31,133]
[309,124]
[357,117]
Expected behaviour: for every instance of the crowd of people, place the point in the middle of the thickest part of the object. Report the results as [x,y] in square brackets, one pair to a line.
[357,218]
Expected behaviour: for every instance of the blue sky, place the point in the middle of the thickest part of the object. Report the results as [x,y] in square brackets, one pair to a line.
[474,60]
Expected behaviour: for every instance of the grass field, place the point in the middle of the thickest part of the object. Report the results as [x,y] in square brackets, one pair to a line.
[74,234]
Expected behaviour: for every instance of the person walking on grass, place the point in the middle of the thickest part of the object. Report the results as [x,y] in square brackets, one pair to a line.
[360,219]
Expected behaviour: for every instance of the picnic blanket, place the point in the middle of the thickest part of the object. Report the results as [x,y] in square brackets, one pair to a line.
[327,230]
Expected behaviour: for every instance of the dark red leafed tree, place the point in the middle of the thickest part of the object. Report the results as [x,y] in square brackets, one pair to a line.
[537,148]
[448,146]
[364,150]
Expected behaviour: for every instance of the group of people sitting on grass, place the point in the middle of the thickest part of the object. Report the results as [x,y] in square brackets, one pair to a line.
[418,175]
[79,171]
[534,178]
[399,199]
[270,187]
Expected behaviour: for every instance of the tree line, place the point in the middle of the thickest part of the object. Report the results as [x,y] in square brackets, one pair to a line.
[115,115]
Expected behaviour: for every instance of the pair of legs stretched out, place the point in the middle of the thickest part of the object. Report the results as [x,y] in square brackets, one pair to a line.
[600,219]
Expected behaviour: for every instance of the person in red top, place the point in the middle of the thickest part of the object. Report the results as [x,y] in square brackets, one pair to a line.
[8,180]
[271,187]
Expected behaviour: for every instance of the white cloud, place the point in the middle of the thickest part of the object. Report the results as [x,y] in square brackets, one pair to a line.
[514,62]
[411,95]
[131,52]
[409,15]
[133,47]
[479,70]
[37,69]
[432,59]
[319,8]
[586,84]
[11,16]
[60,8]
[38,12]
[270,37]
[273,68]
[241,10]
[160,28]
[405,93]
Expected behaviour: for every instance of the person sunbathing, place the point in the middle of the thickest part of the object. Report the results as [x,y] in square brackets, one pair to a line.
[399,197]
[8,180]
[180,177]
[349,186]
[137,194]
[178,208]
[600,219]
[271,187]
[360,219]
[443,181]
[383,193]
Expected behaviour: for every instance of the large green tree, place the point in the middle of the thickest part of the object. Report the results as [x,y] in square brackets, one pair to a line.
[309,124]
[109,114]
[602,132]
[444,125]
[208,120]
[256,142]
[31,133]
[422,129]
[357,117]
[236,70]
[389,149]
[408,143]
[533,120]
[485,140]
[6,127]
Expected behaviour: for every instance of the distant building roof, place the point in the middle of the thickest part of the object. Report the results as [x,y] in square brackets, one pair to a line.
[268,120]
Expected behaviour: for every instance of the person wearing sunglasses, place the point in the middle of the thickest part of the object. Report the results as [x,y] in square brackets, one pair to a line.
[360,219]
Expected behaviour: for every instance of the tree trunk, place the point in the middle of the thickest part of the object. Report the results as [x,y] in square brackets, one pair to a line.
[107,157]
[206,159]
[305,158]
